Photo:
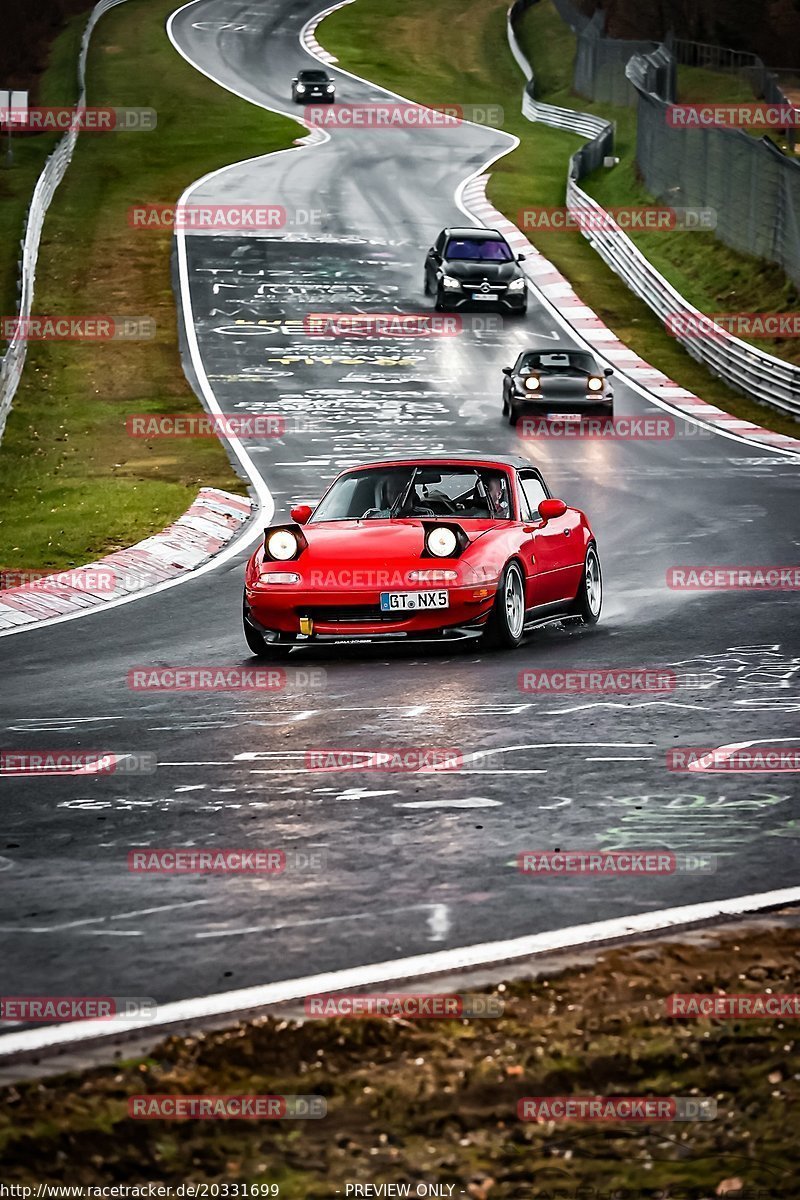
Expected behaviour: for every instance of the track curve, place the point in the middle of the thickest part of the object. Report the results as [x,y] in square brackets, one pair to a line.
[415,862]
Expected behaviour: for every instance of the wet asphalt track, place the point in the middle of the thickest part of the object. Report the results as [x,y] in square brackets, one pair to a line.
[414,862]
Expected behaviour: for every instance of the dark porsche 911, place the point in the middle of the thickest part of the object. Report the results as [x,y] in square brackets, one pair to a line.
[477,267]
[564,382]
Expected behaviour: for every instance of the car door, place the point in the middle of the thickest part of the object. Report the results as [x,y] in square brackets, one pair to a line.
[556,545]
[433,261]
[508,380]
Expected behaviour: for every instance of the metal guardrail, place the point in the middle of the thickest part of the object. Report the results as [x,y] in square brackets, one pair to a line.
[585,124]
[753,187]
[13,361]
[762,80]
[763,377]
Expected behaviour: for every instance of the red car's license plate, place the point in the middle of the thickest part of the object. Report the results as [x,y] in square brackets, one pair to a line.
[413,601]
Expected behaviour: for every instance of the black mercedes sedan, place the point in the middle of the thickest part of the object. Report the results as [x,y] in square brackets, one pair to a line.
[313,85]
[562,381]
[475,267]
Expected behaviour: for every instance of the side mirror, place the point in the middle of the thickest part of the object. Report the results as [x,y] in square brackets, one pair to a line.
[552,508]
[520,258]
[608,371]
[301,512]
[507,370]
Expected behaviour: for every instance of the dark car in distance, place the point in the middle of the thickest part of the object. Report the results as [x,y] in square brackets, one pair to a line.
[313,85]
[560,380]
[477,268]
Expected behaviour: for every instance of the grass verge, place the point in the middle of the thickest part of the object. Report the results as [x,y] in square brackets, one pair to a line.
[74,485]
[709,274]
[57,86]
[410,51]
[435,1102]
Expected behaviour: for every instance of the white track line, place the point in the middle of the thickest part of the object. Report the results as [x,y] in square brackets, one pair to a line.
[266,504]
[224,1003]
[234,1003]
[597,351]
[264,496]
[708,763]
[307,33]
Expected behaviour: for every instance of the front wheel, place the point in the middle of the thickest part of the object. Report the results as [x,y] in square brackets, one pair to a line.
[271,651]
[507,618]
[589,599]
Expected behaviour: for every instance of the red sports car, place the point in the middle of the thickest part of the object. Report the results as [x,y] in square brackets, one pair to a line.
[410,550]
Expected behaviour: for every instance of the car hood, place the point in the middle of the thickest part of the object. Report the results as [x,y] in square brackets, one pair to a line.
[557,385]
[478,271]
[379,540]
[375,543]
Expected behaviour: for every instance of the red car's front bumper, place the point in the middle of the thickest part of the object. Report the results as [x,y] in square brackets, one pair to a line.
[293,611]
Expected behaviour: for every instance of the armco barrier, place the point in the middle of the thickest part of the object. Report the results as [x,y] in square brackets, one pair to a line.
[753,187]
[53,172]
[763,377]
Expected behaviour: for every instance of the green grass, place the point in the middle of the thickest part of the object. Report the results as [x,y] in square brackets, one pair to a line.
[408,47]
[74,485]
[711,276]
[702,85]
[57,86]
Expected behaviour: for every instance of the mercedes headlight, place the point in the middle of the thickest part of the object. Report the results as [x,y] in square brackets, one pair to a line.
[282,545]
[594,383]
[442,542]
[517,285]
[533,383]
[450,283]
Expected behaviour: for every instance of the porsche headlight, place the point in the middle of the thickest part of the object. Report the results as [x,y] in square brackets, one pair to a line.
[594,384]
[442,541]
[517,285]
[282,545]
[533,383]
[450,282]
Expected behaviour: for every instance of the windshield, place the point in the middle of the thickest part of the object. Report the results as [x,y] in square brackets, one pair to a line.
[313,77]
[576,362]
[479,250]
[422,491]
